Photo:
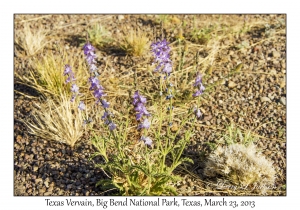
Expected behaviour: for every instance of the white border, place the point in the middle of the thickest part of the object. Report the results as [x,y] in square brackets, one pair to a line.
[8,8]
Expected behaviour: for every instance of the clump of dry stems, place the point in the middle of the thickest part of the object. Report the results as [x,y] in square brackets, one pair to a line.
[135,43]
[58,120]
[31,41]
[242,166]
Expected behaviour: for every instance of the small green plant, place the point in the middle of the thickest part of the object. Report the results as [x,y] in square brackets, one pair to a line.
[234,135]
[243,45]
[269,30]
[143,164]
[99,36]
[135,43]
[203,35]
[137,167]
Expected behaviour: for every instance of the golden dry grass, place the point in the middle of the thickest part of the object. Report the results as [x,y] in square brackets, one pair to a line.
[135,43]
[31,41]
[47,76]
[58,120]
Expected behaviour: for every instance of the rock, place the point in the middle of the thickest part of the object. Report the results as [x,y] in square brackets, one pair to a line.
[273,71]
[275,54]
[46,183]
[50,189]
[282,83]
[207,117]
[79,175]
[231,84]
[69,186]
[120,17]
[42,191]
[174,127]
[283,100]
[265,99]
[38,180]
[283,64]
[271,96]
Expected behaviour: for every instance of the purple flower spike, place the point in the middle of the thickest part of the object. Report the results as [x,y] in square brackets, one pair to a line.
[137,98]
[112,126]
[167,68]
[139,116]
[88,48]
[198,80]
[81,106]
[98,93]
[93,67]
[73,98]
[146,124]
[94,83]
[105,115]
[146,140]
[90,56]
[199,85]
[104,103]
[74,88]
[198,113]
[67,70]
[161,52]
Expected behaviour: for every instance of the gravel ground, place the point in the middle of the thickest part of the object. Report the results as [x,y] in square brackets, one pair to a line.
[254,99]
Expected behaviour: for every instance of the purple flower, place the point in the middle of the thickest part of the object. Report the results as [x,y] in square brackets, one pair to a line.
[167,68]
[94,83]
[146,140]
[137,98]
[104,103]
[198,113]
[112,126]
[141,110]
[98,93]
[90,56]
[93,67]
[161,52]
[67,70]
[199,92]
[74,88]
[81,106]
[198,80]
[88,48]
[105,115]
[98,90]
[199,85]
[146,124]
[73,98]
[169,97]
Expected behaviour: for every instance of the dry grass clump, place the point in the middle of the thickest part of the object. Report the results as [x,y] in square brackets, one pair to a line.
[58,120]
[135,43]
[47,76]
[31,42]
[242,166]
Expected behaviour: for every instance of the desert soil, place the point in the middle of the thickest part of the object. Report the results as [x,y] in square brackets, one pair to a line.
[254,99]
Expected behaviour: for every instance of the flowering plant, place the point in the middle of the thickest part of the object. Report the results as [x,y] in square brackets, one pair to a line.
[143,164]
